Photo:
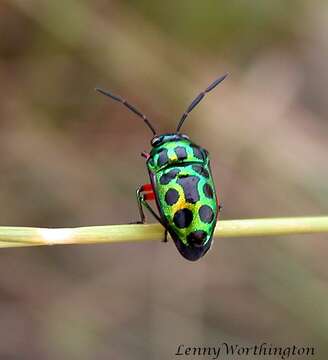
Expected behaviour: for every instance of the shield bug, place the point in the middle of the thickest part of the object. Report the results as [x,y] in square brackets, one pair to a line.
[180,183]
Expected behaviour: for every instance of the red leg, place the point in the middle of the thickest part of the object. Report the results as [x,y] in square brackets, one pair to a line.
[144,193]
[148,192]
[145,155]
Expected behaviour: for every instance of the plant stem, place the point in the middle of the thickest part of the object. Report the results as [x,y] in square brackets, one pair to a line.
[28,236]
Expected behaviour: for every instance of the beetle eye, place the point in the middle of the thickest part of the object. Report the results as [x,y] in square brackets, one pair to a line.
[156,140]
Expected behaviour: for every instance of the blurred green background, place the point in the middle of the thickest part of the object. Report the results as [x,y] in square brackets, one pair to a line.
[71,158]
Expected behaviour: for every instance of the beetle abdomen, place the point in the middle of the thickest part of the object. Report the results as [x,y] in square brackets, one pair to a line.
[187,201]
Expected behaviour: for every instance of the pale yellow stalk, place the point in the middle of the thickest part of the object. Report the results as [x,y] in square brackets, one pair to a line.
[11,236]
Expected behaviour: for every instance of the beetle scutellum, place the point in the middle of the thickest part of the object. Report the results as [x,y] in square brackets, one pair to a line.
[181,185]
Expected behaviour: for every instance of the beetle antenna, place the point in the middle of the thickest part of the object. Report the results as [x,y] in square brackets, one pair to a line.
[198,99]
[129,106]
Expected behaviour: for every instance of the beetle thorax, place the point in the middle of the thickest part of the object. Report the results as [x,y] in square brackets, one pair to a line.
[174,149]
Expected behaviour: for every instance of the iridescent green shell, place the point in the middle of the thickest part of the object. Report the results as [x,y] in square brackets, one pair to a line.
[185,193]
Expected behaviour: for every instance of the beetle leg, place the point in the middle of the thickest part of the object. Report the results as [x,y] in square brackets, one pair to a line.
[145,155]
[142,197]
[165,235]
[145,193]
[144,202]
[142,214]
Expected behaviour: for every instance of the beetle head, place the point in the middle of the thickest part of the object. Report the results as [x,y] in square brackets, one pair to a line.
[164,138]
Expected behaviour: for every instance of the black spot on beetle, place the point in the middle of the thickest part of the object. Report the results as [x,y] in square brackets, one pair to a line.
[197,238]
[167,177]
[171,196]
[190,188]
[197,152]
[181,153]
[206,214]
[201,170]
[162,157]
[183,218]
[208,191]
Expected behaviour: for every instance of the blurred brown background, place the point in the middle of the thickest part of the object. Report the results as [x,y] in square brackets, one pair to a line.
[71,158]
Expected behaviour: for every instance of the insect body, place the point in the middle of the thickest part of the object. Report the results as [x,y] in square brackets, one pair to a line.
[181,184]
[184,191]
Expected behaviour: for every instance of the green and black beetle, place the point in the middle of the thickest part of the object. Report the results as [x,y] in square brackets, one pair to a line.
[181,185]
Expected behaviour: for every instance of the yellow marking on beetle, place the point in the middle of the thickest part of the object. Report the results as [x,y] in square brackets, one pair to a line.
[180,204]
[173,157]
[183,204]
